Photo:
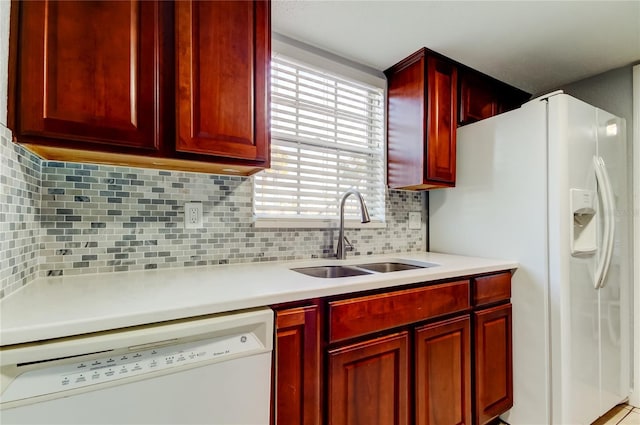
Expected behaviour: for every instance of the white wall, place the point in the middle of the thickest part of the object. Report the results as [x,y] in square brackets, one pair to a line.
[610,91]
[5,5]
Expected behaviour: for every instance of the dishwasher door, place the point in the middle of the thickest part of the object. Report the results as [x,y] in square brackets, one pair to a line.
[209,370]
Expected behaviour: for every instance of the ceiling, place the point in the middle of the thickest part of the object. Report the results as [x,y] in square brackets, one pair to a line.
[534,45]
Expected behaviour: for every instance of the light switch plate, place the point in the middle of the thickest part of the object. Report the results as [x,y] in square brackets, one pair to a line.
[415,220]
[192,215]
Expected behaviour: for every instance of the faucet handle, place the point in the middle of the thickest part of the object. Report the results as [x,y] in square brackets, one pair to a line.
[348,245]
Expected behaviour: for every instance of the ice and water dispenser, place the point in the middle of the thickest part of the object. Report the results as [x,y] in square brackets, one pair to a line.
[583,229]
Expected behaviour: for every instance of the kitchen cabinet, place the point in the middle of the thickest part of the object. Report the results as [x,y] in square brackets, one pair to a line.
[443,372]
[492,346]
[223,49]
[297,365]
[172,85]
[421,122]
[357,371]
[368,382]
[82,87]
[482,96]
[437,353]
[428,97]
[494,363]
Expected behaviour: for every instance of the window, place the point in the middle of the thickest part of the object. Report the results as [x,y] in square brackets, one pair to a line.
[326,137]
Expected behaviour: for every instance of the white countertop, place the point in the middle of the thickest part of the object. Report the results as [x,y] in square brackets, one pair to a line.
[55,307]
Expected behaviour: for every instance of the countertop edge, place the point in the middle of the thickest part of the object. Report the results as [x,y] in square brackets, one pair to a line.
[35,330]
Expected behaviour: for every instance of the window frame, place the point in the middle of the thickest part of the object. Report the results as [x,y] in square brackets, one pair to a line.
[309,56]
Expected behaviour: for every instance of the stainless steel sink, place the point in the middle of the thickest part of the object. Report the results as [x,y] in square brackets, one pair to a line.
[331,271]
[386,267]
[361,269]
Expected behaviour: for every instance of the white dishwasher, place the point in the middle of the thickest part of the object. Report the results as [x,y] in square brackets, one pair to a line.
[207,370]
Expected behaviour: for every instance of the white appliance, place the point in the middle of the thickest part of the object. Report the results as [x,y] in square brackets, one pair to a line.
[546,185]
[209,370]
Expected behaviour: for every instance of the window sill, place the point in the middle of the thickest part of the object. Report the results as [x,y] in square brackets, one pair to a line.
[291,223]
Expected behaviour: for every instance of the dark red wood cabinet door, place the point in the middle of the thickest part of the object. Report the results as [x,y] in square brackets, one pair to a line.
[442,89]
[297,375]
[87,72]
[369,382]
[443,372]
[493,363]
[222,62]
[478,98]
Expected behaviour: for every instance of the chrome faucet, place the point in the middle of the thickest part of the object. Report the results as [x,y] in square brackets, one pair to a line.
[341,252]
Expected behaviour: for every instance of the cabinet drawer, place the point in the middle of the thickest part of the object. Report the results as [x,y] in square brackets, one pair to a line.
[359,316]
[493,288]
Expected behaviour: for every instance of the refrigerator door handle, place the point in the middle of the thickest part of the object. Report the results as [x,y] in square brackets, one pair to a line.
[612,223]
[606,250]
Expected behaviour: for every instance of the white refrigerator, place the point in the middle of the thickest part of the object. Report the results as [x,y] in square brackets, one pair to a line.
[547,185]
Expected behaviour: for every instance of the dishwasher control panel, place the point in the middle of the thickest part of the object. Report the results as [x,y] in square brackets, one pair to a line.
[128,363]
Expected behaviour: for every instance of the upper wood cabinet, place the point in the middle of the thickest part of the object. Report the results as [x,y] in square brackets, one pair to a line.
[175,85]
[222,48]
[482,96]
[421,122]
[478,99]
[429,95]
[88,73]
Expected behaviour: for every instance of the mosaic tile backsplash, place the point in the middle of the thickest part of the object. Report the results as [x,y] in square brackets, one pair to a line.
[105,219]
[20,176]
[66,218]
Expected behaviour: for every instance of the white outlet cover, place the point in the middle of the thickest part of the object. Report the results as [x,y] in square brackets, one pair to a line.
[192,215]
[415,220]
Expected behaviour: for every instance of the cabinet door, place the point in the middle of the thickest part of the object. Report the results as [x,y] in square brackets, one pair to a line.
[482,96]
[511,98]
[493,363]
[442,89]
[421,122]
[223,54]
[369,382]
[443,372]
[478,98]
[87,73]
[297,377]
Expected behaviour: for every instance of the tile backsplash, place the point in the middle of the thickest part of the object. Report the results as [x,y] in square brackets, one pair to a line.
[62,218]
[20,176]
[98,218]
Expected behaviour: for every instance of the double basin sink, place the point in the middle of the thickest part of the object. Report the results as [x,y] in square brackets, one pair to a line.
[334,271]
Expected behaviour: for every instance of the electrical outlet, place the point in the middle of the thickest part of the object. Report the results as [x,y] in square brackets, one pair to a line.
[192,215]
[415,220]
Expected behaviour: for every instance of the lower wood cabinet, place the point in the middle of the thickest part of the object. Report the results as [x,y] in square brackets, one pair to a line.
[368,382]
[443,372]
[494,362]
[442,356]
[297,366]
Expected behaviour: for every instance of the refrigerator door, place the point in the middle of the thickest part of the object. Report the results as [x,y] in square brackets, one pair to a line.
[615,314]
[574,299]
[499,209]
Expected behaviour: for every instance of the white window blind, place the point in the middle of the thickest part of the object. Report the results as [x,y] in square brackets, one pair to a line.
[326,137]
